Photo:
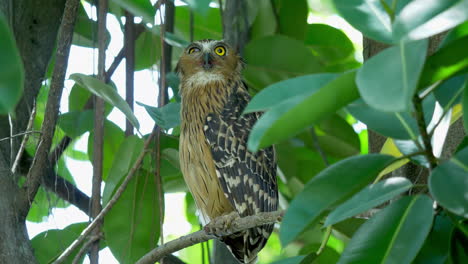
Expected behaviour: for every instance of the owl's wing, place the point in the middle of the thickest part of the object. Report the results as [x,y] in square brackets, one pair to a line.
[248,179]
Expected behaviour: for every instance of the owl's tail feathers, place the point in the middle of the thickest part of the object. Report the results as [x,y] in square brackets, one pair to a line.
[245,245]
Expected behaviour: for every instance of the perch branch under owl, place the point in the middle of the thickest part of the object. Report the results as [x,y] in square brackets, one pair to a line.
[240,224]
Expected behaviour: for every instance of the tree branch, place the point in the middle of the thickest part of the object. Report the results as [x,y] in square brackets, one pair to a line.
[423,131]
[110,204]
[41,158]
[202,236]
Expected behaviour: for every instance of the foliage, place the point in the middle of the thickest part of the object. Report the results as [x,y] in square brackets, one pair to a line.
[313,91]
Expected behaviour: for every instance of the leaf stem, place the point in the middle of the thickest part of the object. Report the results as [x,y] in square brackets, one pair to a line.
[417,102]
[325,240]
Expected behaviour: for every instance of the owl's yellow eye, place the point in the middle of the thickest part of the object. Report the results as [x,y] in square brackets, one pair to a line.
[220,50]
[193,49]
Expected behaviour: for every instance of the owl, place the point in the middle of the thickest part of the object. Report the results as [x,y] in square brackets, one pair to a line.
[223,176]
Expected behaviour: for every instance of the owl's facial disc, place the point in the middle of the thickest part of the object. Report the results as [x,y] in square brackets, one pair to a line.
[207,61]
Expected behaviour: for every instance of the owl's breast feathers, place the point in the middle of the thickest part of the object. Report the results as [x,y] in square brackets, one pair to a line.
[222,174]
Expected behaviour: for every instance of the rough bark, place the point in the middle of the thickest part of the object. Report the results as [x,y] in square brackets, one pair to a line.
[35,25]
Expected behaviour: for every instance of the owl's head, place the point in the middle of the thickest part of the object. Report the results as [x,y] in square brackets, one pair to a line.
[209,59]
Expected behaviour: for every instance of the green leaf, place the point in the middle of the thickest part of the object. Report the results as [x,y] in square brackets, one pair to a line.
[265,23]
[367,16]
[445,63]
[49,244]
[337,138]
[290,89]
[349,226]
[465,109]
[371,196]
[11,70]
[424,18]
[455,34]
[328,255]
[436,247]
[124,159]
[147,50]
[113,136]
[74,124]
[108,94]
[267,61]
[330,44]
[85,31]
[204,27]
[391,124]
[199,6]
[132,225]
[329,188]
[141,8]
[44,202]
[448,183]
[296,114]
[166,117]
[388,80]
[458,247]
[450,92]
[393,235]
[291,260]
[292,16]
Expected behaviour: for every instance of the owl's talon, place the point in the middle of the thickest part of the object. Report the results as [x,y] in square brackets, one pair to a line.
[221,226]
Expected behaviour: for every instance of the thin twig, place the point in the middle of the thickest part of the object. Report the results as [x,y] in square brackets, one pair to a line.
[129,46]
[27,132]
[84,249]
[202,236]
[161,97]
[110,204]
[41,158]
[98,146]
[423,131]
[25,139]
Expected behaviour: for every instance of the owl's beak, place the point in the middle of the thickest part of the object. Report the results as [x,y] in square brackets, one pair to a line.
[207,61]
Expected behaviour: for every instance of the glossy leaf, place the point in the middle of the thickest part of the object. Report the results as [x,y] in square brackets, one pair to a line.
[458,247]
[199,6]
[448,183]
[292,18]
[424,18]
[291,260]
[75,123]
[11,70]
[46,246]
[265,23]
[294,115]
[166,117]
[450,92]
[392,89]
[393,235]
[330,44]
[367,16]
[114,136]
[370,197]
[391,124]
[328,189]
[455,34]
[436,247]
[108,94]
[147,50]
[288,90]
[445,63]
[85,31]
[267,62]
[124,158]
[141,8]
[204,27]
[465,109]
[132,225]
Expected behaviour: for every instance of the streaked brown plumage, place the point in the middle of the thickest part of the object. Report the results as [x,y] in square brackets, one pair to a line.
[222,175]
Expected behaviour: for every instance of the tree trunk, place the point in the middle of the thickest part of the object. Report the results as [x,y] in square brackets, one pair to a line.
[35,25]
